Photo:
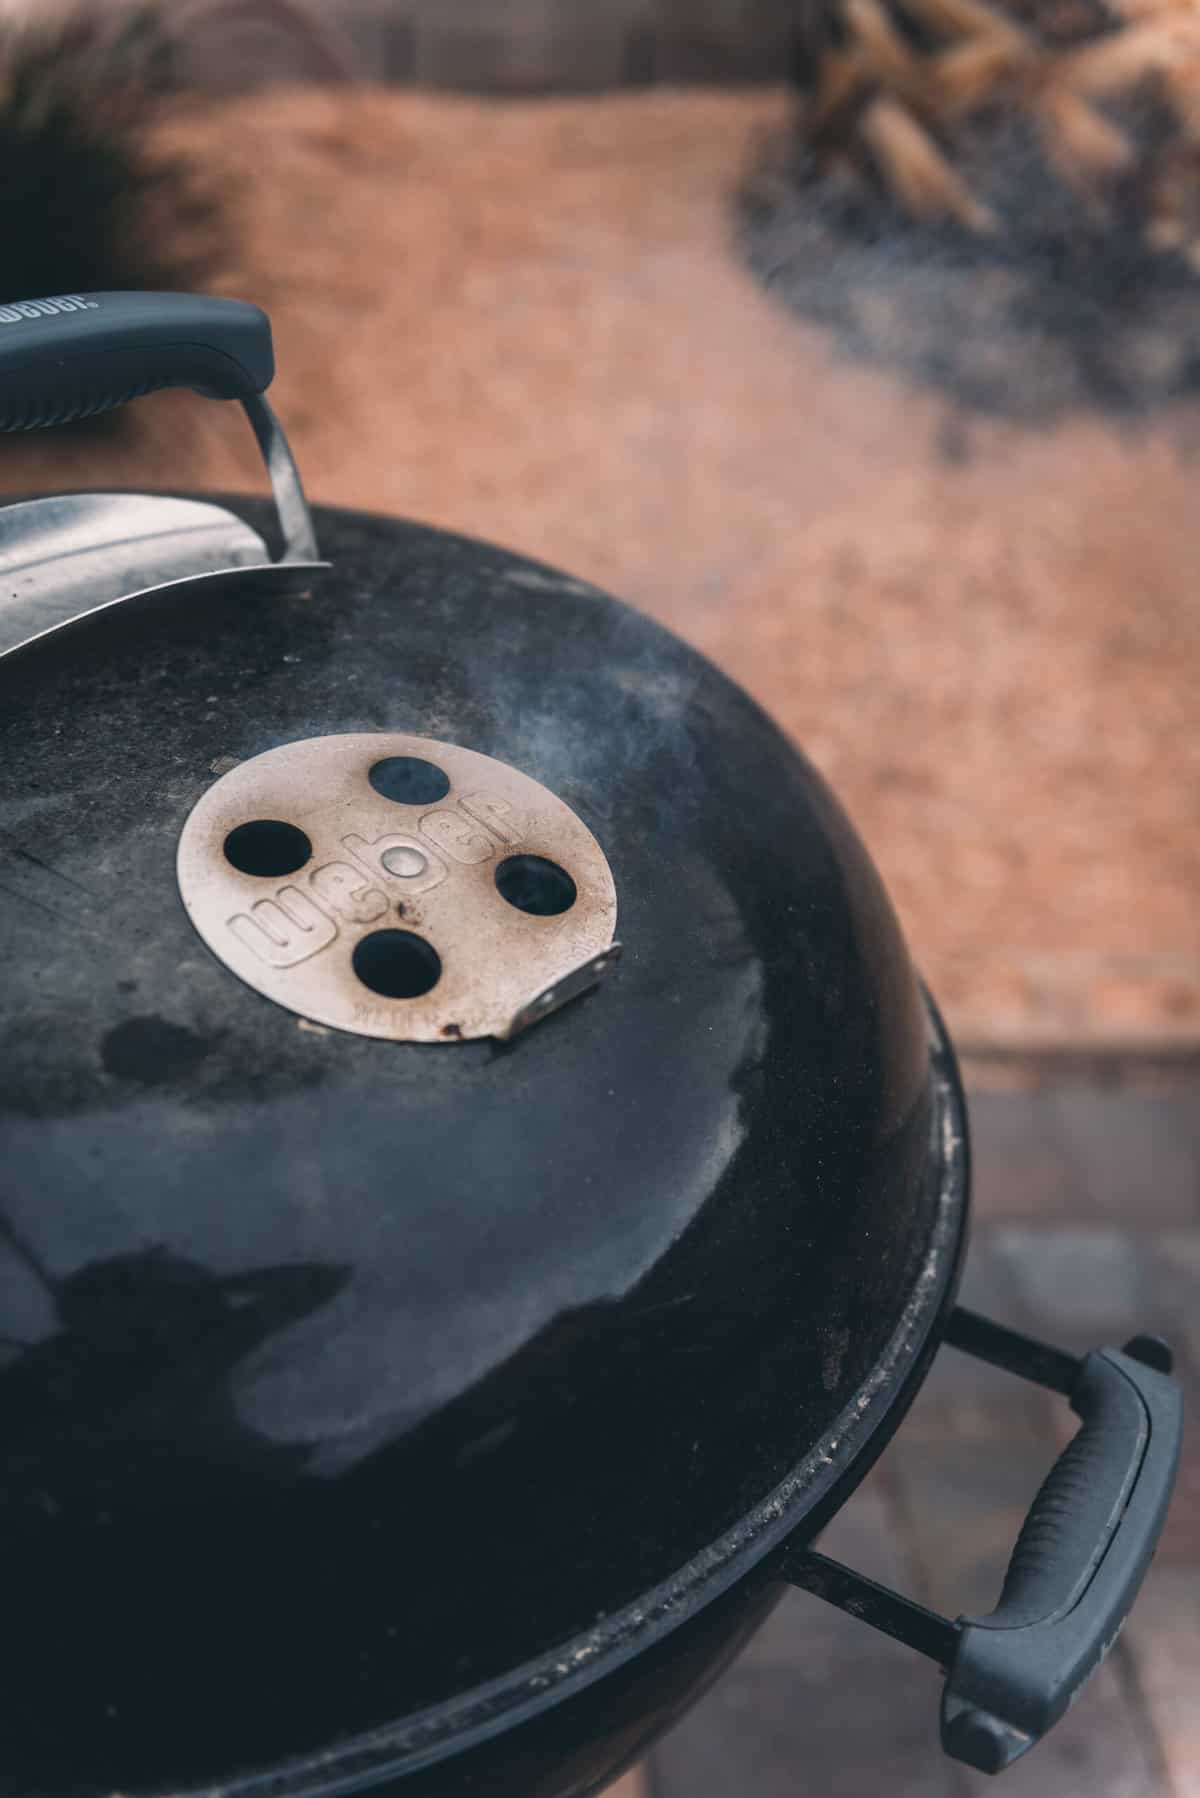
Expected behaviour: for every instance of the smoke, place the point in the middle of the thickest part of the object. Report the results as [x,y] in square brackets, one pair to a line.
[1054,313]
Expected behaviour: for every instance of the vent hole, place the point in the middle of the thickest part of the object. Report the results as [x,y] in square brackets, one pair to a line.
[397,964]
[535,885]
[407,780]
[267,847]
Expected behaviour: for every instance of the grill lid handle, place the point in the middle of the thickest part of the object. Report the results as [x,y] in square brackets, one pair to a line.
[1079,1560]
[85,353]
[81,354]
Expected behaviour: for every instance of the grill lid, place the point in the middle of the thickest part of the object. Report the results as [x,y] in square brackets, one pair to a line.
[343,1373]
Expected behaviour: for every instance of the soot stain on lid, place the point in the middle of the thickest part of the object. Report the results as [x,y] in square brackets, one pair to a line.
[152,1051]
[1055,312]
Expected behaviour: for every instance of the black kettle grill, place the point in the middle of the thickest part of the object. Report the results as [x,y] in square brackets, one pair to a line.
[432,1344]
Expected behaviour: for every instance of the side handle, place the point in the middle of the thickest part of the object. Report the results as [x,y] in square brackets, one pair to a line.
[1079,1559]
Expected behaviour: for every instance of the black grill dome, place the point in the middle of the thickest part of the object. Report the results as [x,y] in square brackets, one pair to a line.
[341,1376]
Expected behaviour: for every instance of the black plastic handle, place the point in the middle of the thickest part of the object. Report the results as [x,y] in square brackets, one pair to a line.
[83,353]
[1077,1566]
[1080,1558]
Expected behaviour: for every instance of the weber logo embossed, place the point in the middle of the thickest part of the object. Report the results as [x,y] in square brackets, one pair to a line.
[287,929]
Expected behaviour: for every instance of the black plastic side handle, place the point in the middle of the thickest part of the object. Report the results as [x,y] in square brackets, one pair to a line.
[1076,1568]
[81,354]
[1079,1561]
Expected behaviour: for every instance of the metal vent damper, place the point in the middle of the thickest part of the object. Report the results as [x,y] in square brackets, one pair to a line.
[398,887]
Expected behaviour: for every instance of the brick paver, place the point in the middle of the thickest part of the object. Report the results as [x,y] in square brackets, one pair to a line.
[1088,1153]
[1161,1638]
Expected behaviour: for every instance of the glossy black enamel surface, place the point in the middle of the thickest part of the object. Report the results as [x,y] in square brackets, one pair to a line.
[341,1375]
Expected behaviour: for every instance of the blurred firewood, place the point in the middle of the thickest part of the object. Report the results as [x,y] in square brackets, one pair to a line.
[887,87]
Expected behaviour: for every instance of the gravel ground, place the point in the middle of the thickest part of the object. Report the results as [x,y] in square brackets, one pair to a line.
[534,321]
